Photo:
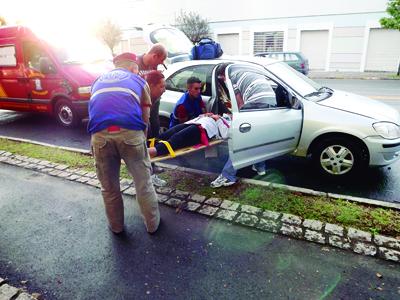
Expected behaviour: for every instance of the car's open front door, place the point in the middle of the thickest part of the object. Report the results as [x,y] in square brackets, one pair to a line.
[262,128]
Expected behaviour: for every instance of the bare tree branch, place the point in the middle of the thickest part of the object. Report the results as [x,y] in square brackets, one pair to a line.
[110,34]
[3,21]
[193,25]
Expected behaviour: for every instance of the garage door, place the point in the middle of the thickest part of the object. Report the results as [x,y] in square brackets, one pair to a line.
[383,52]
[229,43]
[314,45]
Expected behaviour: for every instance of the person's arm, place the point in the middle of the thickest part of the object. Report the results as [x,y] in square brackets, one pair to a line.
[145,103]
[202,107]
[155,119]
[181,114]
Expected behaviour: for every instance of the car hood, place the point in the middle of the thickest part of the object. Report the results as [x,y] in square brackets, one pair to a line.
[86,74]
[361,105]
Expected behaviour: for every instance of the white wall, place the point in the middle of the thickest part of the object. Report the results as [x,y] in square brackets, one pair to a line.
[227,10]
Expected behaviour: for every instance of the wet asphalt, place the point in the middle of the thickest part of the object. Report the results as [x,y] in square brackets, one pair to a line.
[53,233]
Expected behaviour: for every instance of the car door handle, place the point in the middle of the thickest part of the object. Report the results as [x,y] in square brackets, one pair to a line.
[245,127]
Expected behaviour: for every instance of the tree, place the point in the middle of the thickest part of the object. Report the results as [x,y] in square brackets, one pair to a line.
[193,25]
[110,34]
[393,22]
[2,21]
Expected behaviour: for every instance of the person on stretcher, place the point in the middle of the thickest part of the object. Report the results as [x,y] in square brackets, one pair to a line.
[196,131]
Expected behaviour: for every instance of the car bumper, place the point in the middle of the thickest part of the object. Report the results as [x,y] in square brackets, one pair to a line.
[382,152]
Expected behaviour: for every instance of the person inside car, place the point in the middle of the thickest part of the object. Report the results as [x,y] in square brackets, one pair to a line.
[190,105]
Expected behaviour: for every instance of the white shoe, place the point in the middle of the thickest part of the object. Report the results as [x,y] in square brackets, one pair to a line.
[259,172]
[157,181]
[221,181]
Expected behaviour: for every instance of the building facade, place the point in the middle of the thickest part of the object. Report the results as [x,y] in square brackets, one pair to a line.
[339,35]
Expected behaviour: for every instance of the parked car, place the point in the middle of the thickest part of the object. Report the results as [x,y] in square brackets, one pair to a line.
[341,132]
[296,60]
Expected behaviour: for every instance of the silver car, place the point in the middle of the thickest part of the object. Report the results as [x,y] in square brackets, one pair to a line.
[341,132]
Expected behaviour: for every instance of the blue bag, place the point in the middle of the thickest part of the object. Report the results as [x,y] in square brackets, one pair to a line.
[206,48]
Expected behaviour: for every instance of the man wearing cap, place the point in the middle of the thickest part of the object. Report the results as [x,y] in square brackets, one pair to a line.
[149,62]
[119,110]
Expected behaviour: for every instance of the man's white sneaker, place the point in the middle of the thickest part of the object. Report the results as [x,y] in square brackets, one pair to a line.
[157,181]
[221,181]
[260,172]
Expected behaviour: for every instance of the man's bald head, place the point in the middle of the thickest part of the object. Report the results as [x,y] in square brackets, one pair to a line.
[156,56]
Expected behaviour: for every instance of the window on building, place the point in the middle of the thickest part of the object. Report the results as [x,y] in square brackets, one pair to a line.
[268,41]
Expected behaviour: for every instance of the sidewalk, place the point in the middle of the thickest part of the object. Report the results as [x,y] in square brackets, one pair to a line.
[353,75]
[53,233]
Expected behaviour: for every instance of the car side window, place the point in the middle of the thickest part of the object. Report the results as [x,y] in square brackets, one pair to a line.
[278,56]
[177,82]
[8,56]
[291,57]
[36,58]
[253,91]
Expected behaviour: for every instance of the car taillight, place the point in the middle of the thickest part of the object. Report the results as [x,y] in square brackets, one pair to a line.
[302,65]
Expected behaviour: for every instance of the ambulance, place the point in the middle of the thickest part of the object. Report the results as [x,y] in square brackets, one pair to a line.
[38,77]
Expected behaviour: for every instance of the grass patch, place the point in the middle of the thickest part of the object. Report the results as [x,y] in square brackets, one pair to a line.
[74,160]
[394,76]
[337,211]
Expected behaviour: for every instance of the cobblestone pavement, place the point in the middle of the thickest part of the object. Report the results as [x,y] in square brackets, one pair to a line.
[324,234]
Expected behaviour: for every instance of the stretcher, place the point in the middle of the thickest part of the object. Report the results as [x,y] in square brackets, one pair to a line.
[184,151]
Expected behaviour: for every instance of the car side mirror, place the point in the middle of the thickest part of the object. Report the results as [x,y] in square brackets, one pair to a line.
[45,66]
[294,102]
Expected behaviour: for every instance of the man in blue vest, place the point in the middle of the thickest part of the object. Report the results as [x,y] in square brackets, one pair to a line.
[119,110]
[190,105]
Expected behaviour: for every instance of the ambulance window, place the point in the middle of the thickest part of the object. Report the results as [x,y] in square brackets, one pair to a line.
[7,56]
[36,58]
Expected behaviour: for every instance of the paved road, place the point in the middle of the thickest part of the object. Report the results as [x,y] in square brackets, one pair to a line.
[382,184]
[53,233]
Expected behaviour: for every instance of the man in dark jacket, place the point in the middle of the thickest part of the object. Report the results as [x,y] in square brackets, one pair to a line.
[190,105]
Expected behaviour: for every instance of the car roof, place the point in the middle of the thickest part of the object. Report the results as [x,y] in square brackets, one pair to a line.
[273,52]
[260,61]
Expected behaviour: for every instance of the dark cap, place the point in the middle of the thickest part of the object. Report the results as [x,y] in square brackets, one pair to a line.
[126,56]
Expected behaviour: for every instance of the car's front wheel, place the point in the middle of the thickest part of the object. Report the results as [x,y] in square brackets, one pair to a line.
[339,157]
[66,114]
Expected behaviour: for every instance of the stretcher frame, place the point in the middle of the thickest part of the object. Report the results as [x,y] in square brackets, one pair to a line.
[186,150]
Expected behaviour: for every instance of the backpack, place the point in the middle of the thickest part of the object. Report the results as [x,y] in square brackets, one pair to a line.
[206,48]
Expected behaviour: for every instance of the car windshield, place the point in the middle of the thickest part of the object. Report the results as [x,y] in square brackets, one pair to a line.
[297,81]
[175,41]
[83,54]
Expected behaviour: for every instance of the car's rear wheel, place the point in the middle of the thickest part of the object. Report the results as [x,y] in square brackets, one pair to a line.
[66,114]
[339,157]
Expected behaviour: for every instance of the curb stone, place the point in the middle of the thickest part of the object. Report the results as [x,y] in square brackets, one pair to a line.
[358,241]
[8,292]
[206,173]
